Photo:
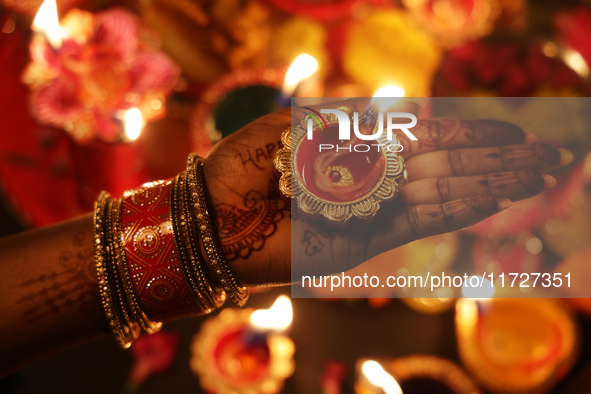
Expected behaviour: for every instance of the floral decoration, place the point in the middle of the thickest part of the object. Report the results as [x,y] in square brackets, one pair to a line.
[108,63]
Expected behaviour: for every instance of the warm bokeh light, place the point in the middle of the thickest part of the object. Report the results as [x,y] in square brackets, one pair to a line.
[133,124]
[575,61]
[377,376]
[301,68]
[47,22]
[385,96]
[276,318]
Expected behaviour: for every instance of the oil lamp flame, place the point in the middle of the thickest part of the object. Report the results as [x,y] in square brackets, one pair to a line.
[46,22]
[132,124]
[301,68]
[375,373]
[276,318]
[386,96]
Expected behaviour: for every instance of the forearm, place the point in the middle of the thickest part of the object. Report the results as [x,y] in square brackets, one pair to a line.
[49,296]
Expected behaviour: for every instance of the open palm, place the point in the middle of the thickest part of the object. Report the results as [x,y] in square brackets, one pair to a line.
[460,172]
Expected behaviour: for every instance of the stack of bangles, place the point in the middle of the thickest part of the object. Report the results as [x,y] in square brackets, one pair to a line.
[157,255]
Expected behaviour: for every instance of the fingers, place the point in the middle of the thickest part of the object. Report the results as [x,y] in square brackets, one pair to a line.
[439,134]
[419,221]
[514,185]
[477,161]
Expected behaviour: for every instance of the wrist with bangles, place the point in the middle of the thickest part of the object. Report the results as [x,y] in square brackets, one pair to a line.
[158,257]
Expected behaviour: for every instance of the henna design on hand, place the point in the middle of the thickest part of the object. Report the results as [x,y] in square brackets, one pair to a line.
[492,132]
[543,152]
[259,156]
[442,132]
[481,204]
[435,133]
[312,241]
[73,286]
[530,180]
[244,230]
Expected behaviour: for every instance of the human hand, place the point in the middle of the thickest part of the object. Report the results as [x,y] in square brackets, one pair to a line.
[460,172]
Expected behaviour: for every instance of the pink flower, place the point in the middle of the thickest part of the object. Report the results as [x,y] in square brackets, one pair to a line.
[57,103]
[152,354]
[117,30]
[102,67]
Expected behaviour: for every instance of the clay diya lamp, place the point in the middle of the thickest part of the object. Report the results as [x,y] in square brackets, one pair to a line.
[338,179]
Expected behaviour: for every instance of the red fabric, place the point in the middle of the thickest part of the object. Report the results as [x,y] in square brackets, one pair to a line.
[45,174]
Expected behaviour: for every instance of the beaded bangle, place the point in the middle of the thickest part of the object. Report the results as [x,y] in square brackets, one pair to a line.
[101,257]
[114,279]
[205,228]
[185,240]
[175,211]
[123,269]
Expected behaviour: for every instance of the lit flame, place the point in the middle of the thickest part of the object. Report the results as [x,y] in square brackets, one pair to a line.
[301,68]
[47,23]
[575,61]
[375,373]
[132,124]
[276,318]
[386,96]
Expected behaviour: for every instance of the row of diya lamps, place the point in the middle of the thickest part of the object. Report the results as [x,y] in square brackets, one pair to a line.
[507,345]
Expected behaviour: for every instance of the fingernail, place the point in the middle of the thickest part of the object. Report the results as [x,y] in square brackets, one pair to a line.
[566,157]
[549,181]
[530,137]
[503,203]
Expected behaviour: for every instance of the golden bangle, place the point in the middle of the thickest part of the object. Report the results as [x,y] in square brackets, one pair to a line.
[235,292]
[130,327]
[216,300]
[102,262]
[180,235]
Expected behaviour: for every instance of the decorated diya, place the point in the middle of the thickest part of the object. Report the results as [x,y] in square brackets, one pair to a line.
[416,374]
[516,345]
[233,355]
[335,178]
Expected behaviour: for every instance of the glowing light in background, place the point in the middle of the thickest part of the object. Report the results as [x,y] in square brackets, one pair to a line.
[575,61]
[276,318]
[301,68]
[47,23]
[375,373]
[385,96]
[132,124]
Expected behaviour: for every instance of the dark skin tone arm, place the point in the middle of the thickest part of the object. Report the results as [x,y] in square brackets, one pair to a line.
[460,172]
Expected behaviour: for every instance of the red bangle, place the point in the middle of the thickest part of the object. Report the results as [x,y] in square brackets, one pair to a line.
[152,256]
